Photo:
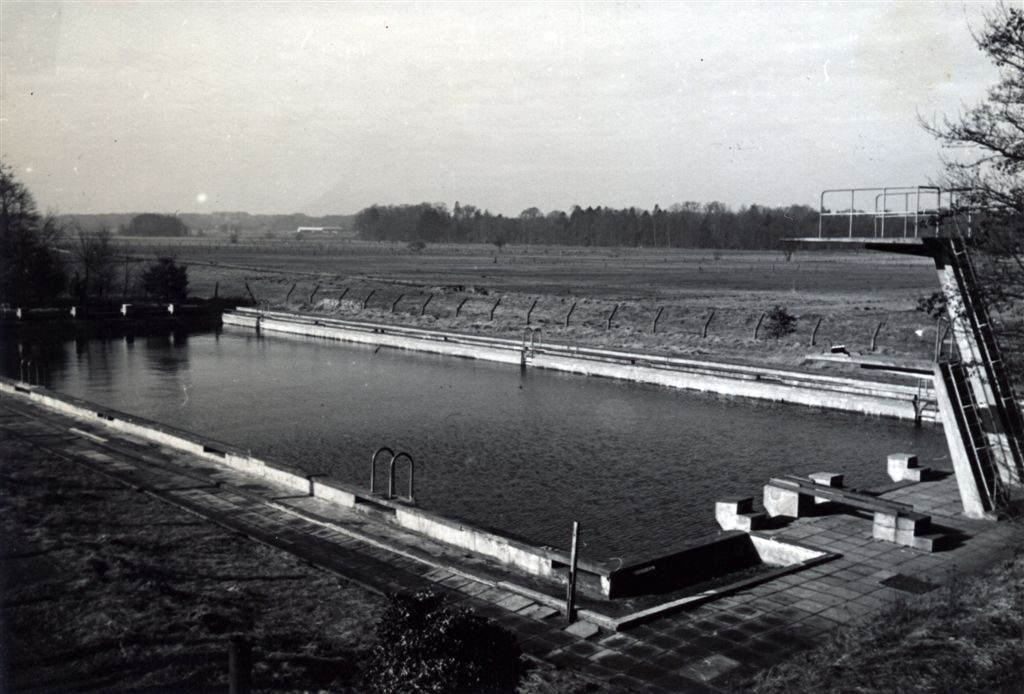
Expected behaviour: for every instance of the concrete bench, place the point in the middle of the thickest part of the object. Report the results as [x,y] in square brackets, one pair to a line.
[893,522]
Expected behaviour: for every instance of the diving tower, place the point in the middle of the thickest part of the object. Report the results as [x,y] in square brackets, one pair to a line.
[980,413]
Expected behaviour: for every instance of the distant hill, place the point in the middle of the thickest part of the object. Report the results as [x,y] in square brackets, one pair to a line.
[218,222]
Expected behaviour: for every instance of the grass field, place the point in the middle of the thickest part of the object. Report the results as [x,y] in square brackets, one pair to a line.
[851,293]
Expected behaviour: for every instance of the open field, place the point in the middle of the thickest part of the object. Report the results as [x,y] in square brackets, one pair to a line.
[851,293]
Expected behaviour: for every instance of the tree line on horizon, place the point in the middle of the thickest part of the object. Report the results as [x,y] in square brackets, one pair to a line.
[684,225]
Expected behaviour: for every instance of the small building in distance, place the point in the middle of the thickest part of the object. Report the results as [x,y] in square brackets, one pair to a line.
[323,232]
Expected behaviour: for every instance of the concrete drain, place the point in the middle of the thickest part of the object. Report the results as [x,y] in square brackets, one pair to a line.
[909,584]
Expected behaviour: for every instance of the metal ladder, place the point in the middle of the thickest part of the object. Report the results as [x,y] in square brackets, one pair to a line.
[976,444]
[395,457]
[1006,405]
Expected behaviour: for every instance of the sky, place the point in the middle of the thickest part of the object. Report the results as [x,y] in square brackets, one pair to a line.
[327,108]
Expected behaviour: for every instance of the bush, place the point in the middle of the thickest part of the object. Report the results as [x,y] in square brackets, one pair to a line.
[416,246]
[166,281]
[423,646]
[779,322]
[934,305]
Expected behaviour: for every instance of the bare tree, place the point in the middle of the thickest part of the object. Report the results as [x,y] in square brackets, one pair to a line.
[986,144]
[97,259]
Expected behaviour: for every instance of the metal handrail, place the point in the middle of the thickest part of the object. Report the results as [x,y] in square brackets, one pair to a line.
[391,474]
[373,464]
[946,201]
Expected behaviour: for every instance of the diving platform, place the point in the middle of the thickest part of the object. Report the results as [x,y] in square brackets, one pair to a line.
[980,412]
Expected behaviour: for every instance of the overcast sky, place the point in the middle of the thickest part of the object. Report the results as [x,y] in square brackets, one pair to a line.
[330,107]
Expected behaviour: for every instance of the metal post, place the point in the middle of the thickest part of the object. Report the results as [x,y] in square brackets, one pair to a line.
[367,299]
[608,322]
[530,312]
[239,666]
[654,326]
[289,294]
[874,338]
[459,307]
[315,290]
[395,302]
[570,588]
[491,317]
[704,330]
[423,308]
[251,295]
[759,321]
[814,333]
[852,193]
[569,314]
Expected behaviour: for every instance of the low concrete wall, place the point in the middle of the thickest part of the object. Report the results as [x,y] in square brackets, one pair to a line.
[831,392]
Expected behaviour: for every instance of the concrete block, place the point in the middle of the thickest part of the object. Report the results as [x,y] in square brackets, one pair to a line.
[786,502]
[904,467]
[828,479]
[737,513]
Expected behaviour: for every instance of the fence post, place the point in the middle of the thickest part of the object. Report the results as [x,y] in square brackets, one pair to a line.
[395,302]
[216,289]
[760,320]
[423,308]
[569,314]
[344,293]
[814,333]
[530,312]
[289,295]
[608,321]
[704,330]
[251,295]
[491,317]
[367,299]
[313,293]
[874,338]
[654,326]
[461,304]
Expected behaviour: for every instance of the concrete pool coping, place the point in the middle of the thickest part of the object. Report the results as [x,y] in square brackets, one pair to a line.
[779,385]
[599,579]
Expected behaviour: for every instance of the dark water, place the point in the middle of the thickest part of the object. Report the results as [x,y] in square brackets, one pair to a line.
[639,466]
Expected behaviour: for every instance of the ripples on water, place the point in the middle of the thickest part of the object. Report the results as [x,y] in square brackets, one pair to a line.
[639,466]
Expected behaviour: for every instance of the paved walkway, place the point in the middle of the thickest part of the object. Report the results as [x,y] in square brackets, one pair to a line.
[710,647]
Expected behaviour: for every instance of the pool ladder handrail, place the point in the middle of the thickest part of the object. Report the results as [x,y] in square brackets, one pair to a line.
[392,463]
[535,336]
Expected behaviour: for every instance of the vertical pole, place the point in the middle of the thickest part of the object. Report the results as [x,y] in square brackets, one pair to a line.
[530,312]
[570,589]
[874,338]
[654,326]
[423,308]
[608,323]
[569,314]
[852,193]
[367,299]
[491,317]
[239,666]
[814,333]
[251,295]
[395,302]
[704,330]
[315,290]
[289,295]
[758,326]
[462,303]
[216,289]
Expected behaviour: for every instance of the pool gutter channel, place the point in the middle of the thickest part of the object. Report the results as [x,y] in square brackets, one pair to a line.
[598,579]
[831,392]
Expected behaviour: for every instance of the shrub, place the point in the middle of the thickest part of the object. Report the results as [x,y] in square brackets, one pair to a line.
[416,246]
[166,281]
[423,646]
[779,322]
[934,305]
